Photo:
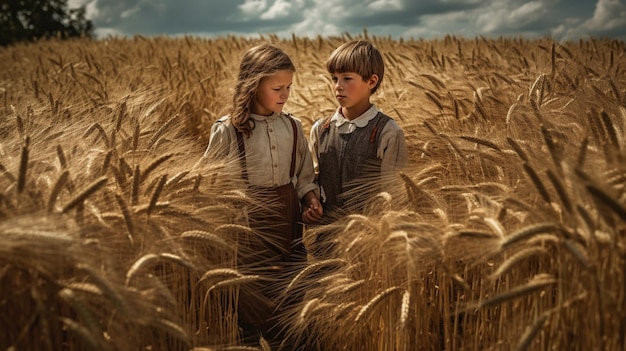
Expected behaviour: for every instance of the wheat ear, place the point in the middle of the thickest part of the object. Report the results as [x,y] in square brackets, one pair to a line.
[161,131]
[610,201]
[61,157]
[367,308]
[560,190]
[515,259]
[128,219]
[155,194]
[529,231]
[140,263]
[220,273]
[6,173]
[235,281]
[77,304]
[534,177]
[149,259]
[134,190]
[308,306]
[153,165]
[81,196]
[480,141]
[531,332]
[105,286]
[312,268]
[171,328]
[534,284]
[518,150]
[80,331]
[56,189]
[404,309]
[610,129]
[21,176]
[208,238]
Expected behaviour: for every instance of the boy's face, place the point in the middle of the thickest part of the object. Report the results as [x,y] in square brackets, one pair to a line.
[351,90]
[272,93]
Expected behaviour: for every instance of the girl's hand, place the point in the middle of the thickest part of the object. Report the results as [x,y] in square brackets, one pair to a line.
[312,211]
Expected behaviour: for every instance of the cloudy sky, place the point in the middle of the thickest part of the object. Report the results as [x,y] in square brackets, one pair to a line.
[559,19]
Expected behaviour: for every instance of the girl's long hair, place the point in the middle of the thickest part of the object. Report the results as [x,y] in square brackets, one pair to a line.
[257,63]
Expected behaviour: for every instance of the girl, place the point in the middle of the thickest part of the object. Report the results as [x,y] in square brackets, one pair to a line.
[276,163]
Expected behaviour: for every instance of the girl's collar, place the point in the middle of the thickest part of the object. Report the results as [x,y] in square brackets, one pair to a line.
[273,116]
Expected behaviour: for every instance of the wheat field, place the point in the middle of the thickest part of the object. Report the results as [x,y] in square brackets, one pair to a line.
[506,232]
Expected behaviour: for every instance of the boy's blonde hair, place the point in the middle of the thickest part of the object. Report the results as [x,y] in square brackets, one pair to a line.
[258,62]
[357,56]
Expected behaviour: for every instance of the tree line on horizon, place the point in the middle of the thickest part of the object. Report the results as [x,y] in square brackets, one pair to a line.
[30,20]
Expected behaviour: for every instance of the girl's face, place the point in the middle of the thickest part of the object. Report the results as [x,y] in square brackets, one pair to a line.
[272,93]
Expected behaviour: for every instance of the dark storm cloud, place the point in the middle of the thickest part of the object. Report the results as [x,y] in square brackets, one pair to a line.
[174,17]
[562,19]
[408,15]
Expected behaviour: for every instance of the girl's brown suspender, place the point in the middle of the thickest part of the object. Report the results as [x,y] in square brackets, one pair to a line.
[242,151]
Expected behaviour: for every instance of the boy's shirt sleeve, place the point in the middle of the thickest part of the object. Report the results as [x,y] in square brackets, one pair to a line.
[313,146]
[392,149]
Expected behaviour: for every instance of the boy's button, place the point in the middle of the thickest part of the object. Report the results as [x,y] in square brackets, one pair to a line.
[273,146]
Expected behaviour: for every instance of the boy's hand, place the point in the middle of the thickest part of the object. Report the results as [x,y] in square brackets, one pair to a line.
[312,211]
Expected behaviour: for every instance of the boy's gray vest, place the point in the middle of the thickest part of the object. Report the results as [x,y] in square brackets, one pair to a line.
[346,158]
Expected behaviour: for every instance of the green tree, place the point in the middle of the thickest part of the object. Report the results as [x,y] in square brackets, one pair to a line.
[27,20]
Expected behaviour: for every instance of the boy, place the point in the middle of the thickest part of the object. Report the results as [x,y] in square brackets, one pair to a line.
[356,147]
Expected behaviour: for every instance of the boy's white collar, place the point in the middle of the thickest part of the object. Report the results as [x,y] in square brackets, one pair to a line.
[360,121]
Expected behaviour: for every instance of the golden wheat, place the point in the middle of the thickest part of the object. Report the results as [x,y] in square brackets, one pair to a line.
[478,209]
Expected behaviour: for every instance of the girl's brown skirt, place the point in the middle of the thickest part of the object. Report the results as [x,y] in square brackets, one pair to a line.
[273,251]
